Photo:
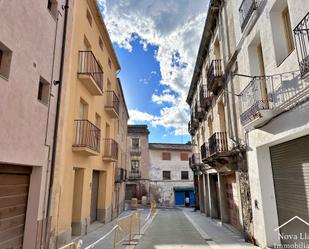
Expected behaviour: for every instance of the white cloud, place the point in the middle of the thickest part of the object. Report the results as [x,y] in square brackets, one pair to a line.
[175,27]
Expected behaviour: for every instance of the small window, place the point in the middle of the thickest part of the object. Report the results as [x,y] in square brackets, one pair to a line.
[135,166]
[184,156]
[184,175]
[166,175]
[43,92]
[109,63]
[89,17]
[166,156]
[5,61]
[52,5]
[101,43]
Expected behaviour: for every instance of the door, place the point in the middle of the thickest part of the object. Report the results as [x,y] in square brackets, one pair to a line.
[94,195]
[179,198]
[232,200]
[290,166]
[14,189]
[192,199]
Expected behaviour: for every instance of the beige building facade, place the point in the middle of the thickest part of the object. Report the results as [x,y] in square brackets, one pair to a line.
[260,114]
[91,143]
[29,65]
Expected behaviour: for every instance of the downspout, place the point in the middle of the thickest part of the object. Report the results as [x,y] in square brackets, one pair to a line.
[55,136]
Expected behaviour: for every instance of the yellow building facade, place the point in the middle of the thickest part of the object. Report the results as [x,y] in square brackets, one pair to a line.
[90,136]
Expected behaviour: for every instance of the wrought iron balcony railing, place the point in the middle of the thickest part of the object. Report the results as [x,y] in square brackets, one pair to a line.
[88,65]
[199,112]
[254,98]
[205,99]
[214,75]
[120,174]
[194,159]
[112,103]
[87,135]
[218,143]
[192,125]
[110,152]
[135,175]
[245,12]
[135,150]
[204,151]
[301,33]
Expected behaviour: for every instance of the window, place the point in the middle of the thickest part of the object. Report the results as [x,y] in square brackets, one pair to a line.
[184,156]
[43,92]
[135,142]
[109,63]
[5,60]
[52,5]
[166,175]
[288,30]
[101,43]
[98,121]
[166,156]
[135,166]
[89,17]
[184,175]
[281,30]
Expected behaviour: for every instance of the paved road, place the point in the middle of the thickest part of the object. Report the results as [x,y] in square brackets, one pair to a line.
[171,230]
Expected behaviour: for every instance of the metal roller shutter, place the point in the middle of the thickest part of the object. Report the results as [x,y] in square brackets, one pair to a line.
[14,189]
[290,165]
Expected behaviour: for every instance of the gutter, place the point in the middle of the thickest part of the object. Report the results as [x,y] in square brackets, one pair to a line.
[55,136]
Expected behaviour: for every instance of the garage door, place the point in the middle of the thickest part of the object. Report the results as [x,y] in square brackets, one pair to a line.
[179,198]
[14,186]
[290,165]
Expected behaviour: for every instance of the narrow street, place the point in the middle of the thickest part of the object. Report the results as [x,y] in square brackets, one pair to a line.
[186,229]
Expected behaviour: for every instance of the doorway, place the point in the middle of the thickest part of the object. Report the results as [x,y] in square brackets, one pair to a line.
[94,195]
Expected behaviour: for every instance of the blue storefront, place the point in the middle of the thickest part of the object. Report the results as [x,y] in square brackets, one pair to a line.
[181,194]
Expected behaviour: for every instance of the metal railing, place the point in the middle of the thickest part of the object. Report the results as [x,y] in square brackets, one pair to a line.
[112,101]
[214,71]
[110,148]
[135,175]
[301,34]
[195,159]
[245,12]
[204,151]
[135,150]
[198,111]
[218,143]
[120,174]
[87,135]
[88,65]
[204,97]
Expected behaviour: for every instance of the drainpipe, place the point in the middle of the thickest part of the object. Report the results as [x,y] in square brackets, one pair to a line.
[55,136]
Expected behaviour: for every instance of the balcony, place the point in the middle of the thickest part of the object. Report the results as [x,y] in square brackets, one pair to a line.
[218,143]
[90,73]
[112,104]
[204,152]
[87,138]
[135,175]
[199,112]
[110,152]
[205,99]
[301,33]
[255,103]
[192,125]
[135,151]
[246,10]
[215,76]
[120,175]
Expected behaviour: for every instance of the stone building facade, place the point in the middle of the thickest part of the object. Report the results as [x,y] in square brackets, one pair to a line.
[249,122]
[171,180]
[138,162]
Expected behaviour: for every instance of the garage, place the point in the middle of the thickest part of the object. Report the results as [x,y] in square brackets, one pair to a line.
[14,187]
[290,166]
[181,194]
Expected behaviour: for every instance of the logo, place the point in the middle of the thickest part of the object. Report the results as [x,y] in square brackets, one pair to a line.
[290,220]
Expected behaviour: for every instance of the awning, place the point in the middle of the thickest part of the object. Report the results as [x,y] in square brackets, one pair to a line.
[183,189]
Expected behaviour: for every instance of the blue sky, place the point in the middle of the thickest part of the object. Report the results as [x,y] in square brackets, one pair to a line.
[156,42]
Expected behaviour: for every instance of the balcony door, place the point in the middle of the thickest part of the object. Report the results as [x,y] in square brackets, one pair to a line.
[81,134]
[135,144]
[262,73]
